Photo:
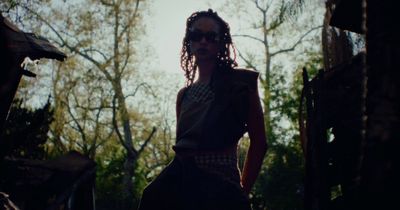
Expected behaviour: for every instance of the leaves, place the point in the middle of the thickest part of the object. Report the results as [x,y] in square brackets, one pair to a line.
[25,132]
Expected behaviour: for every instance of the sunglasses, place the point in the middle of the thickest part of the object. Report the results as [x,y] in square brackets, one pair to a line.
[197,36]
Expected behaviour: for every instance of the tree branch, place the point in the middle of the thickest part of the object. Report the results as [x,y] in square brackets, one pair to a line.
[260,8]
[295,44]
[275,24]
[63,43]
[105,3]
[249,36]
[127,52]
[130,21]
[147,141]
[105,139]
[93,108]
[97,51]
[93,146]
[246,60]
[115,124]
[47,23]
[137,88]
[268,5]
[80,128]
[92,60]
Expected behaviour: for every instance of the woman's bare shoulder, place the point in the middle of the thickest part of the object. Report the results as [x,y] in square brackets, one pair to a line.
[245,75]
[244,71]
[180,94]
[181,91]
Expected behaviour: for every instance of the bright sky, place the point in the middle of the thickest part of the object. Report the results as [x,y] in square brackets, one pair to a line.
[167,26]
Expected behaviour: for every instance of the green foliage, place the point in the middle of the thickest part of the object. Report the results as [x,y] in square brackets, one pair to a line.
[7,5]
[140,182]
[292,99]
[280,183]
[109,181]
[25,132]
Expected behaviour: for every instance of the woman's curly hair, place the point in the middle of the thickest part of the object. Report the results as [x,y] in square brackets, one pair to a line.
[224,60]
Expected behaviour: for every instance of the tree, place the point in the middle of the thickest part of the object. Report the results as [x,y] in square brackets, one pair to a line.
[280,185]
[26,131]
[102,38]
[277,39]
[273,15]
[81,116]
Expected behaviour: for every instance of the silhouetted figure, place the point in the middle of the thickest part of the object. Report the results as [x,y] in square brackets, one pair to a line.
[214,110]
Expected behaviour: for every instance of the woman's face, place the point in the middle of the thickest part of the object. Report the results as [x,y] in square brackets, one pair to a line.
[204,39]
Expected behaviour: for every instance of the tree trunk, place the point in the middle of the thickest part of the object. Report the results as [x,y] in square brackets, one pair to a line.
[131,153]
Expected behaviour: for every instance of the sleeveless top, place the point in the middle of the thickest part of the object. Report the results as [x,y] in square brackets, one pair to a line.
[214,116]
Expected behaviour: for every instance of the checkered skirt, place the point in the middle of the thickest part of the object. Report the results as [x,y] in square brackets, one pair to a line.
[224,165]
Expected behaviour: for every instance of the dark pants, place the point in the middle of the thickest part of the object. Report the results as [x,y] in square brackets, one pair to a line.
[183,186]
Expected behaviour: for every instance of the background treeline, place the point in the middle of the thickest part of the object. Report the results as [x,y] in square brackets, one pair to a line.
[108,103]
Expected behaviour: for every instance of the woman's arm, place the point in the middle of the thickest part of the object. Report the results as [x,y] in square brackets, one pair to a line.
[258,143]
[178,103]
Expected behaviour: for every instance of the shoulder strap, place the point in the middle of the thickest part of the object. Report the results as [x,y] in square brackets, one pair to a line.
[180,99]
[179,102]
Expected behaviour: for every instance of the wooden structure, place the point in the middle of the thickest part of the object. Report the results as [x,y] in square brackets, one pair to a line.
[357,101]
[64,183]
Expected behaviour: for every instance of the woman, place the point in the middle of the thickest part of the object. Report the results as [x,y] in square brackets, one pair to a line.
[214,110]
